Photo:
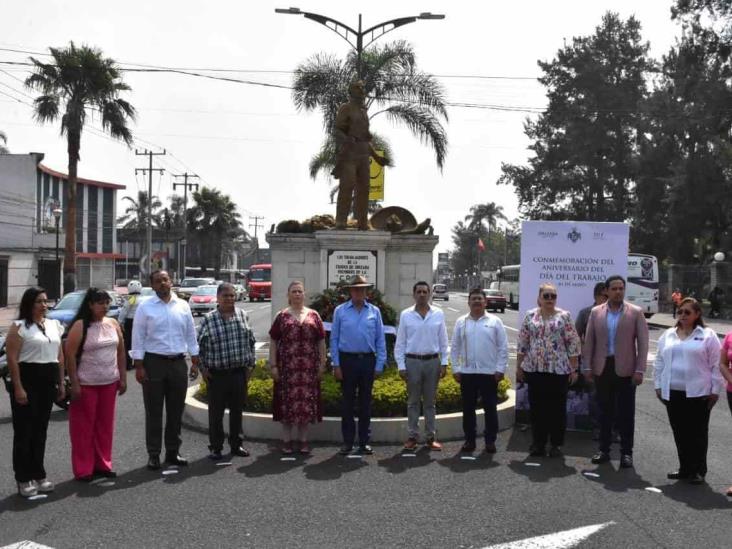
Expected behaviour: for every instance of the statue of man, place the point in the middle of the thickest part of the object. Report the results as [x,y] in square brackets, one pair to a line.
[353,140]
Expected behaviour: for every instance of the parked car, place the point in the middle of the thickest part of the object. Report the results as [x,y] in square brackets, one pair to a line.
[65,310]
[189,285]
[495,300]
[439,291]
[203,299]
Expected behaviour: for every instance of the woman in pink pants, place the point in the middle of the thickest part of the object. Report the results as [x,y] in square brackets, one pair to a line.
[96,366]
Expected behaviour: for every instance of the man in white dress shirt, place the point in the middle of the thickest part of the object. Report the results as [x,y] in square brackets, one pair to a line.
[421,356]
[479,356]
[162,333]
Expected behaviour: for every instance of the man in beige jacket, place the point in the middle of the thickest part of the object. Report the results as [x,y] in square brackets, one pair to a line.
[614,356]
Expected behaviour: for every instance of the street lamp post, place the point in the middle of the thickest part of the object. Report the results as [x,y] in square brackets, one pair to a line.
[356,37]
[57,218]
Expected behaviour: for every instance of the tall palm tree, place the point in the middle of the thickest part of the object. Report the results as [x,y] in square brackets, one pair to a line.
[215,222]
[78,80]
[3,142]
[135,216]
[482,217]
[394,88]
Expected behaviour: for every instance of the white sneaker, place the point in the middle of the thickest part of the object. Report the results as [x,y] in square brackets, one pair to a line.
[44,485]
[27,489]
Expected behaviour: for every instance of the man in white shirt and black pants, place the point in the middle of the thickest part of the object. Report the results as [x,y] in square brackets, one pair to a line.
[479,355]
[421,356]
[162,333]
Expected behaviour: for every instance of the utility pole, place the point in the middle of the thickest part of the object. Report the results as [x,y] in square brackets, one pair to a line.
[256,225]
[149,171]
[193,187]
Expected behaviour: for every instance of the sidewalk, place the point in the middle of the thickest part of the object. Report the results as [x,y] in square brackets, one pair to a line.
[7,315]
[665,320]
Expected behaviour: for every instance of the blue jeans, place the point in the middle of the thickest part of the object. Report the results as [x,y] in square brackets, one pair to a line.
[358,379]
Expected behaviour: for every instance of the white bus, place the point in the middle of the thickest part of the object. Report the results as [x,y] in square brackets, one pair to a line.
[642,288]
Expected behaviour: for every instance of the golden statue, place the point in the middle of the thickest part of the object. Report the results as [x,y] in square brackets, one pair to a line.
[353,142]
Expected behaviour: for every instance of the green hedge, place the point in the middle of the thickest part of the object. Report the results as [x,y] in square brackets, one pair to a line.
[389,394]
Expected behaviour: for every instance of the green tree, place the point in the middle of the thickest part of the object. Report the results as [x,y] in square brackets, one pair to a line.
[584,144]
[135,216]
[216,225]
[77,81]
[394,87]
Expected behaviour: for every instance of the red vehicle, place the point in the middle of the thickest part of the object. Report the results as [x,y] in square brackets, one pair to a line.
[259,282]
[495,300]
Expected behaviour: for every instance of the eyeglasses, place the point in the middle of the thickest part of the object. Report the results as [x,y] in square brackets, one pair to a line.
[549,296]
[685,312]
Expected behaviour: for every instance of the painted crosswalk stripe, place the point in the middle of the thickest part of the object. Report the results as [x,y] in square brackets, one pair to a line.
[26,544]
[558,540]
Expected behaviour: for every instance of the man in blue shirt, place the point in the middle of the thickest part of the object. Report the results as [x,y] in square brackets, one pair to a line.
[358,352]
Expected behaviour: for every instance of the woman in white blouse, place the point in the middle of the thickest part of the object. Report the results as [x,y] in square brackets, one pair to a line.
[36,364]
[688,382]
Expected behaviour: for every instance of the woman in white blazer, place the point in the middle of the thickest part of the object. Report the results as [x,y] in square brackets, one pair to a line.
[688,382]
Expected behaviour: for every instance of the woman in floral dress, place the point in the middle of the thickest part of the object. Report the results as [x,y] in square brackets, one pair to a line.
[297,363]
[548,347]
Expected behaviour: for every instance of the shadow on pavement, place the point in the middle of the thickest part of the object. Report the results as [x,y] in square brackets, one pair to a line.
[701,497]
[457,464]
[333,468]
[615,480]
[271,463]
[547,469]
[401,461]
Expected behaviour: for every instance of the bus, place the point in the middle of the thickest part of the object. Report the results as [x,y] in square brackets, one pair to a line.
[508,283]
[641,290]
[259,282]
[642,287]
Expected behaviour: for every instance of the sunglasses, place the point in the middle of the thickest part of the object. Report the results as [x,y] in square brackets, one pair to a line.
[549,296]
[685,312]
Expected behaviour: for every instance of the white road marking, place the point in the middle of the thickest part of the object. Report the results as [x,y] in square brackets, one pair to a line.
[260,345]
[26,544]
[409,455]
[170,472]
[532,464]
[223,463]
[262,308]
[287,459]
[468,458]
[590,474]
[454,310]
[653,489]
[558,540]
[509,328]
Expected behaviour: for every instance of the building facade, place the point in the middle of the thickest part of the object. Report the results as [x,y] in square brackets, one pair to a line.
[29,194]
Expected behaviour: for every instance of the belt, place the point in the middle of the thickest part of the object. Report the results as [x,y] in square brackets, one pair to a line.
[422,357]
[166,357]
[357,355]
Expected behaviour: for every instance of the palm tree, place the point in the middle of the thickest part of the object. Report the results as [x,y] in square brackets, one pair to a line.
[394,87]
[78,80]
[3,142]
[482,217]
[216,223]
[135,216]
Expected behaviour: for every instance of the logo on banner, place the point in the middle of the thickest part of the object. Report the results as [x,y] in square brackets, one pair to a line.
[548,234]
[574,235]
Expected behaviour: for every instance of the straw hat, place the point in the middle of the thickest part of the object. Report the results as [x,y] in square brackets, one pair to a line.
[358,281]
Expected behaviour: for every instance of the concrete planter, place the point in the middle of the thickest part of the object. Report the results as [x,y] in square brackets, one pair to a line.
[394,430]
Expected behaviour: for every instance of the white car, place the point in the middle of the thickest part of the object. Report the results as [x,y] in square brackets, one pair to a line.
[203,300]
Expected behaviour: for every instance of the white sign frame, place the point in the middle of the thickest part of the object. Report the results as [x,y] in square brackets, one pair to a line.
[345,264]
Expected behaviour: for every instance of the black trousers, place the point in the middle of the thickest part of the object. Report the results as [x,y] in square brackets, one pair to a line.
[689,418]
[30,421]
[128,342]
[472,385]
[226,389]
[548,402]
[166,386]
[616,398]
[358,380]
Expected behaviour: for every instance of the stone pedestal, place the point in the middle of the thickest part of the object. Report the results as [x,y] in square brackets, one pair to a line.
[401,260]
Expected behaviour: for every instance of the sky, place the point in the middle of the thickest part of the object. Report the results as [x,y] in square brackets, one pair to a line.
[251,143]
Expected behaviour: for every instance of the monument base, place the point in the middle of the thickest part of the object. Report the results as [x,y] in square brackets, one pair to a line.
[393,262]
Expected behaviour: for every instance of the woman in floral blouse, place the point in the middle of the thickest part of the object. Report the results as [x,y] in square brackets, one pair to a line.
[548,347]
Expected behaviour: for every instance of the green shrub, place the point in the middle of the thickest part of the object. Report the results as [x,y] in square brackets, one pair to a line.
[389,395]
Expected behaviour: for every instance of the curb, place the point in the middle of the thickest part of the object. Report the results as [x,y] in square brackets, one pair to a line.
[394,430]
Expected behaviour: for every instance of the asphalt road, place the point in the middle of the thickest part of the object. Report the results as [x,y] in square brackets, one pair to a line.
[384,500]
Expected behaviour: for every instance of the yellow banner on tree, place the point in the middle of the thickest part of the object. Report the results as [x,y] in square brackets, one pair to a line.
[376,188]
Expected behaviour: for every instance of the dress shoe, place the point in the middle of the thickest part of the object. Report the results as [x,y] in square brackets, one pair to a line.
[600,457]
[626,461]
[345,450]
[433,445]
[215,455]
[468,446]
[240,451]
[676,475]
[490,448]
[44,486]
[536,451]
[555,452]
[105,474]
[175,459]
[411,444]
[696,479]
[153,463]
[365,450]
[27,489]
